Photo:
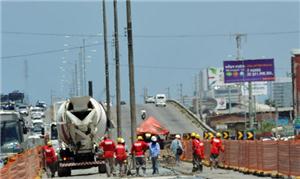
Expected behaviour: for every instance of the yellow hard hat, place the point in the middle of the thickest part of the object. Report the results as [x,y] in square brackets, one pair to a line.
[219,134]
[119,139]
[49,143]
[148,135]
[193,134]
[140,137]
[197,136]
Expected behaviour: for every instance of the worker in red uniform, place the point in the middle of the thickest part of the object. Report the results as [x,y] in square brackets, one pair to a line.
[108,146]
[138,150]
[216,147]
[50,159]
[121,155]
[195,144]
[199,153]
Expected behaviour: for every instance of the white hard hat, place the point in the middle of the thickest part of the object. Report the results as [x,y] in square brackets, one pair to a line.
[177,136]
[154,138]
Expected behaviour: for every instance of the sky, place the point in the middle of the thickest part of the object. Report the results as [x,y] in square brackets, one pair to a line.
[172,40]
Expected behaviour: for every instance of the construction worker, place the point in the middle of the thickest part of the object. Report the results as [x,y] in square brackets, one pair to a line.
[50,159]
[154,149]
[121,155]
[195,144]
[199,153]
[148,141]
[176,148]
[216,147]
[138,150]
[108,146]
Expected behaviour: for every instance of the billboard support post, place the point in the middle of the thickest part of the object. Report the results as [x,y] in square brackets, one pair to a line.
[250,105]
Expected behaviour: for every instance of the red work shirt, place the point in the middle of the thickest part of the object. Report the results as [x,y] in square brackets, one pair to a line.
[200,150]
[216,146]
[108,147]
[195,144]
[138,148]
[49,154]
[121,152]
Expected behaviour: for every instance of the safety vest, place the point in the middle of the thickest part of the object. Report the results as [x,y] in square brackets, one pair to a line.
[108,147]
[121,152]
[50,156]
[200,149]
[216,146]
[195,144]
[139,148]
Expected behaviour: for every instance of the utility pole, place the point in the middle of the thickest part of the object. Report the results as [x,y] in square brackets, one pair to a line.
[200,94]
[106,63]
[118,91]
[76,80]
[196,97]
[168,93]
[26,81]
[80,71]
[90,88]
[180,93]
[145,94]
[131,73]
[84,68]
[238,38]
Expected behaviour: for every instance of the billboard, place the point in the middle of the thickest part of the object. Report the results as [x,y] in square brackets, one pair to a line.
[258,89]
[249,70]
[215,77]
[221,103]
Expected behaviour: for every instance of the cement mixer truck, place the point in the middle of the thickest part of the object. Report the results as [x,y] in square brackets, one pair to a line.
[81,123]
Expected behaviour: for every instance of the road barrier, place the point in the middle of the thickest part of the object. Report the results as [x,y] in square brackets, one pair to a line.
[276,158]
[25,165]
[191,115]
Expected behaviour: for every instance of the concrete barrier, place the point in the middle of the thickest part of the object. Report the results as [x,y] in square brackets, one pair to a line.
[191,116]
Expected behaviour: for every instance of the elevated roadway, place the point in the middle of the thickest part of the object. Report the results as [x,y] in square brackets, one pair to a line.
[174,117]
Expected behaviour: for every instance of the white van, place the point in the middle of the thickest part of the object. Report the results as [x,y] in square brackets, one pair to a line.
[160,100]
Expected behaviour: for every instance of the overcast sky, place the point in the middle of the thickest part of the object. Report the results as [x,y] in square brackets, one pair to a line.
[173,40]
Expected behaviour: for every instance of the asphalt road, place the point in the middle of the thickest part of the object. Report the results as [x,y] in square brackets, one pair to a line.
[169,116]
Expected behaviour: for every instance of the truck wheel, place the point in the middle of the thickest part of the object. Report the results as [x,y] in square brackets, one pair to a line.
[61,172]
[68,171]
[102,168]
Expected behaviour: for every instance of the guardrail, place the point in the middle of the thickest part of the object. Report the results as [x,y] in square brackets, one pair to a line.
[191,116]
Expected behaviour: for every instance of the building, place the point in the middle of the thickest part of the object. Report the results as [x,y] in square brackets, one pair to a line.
[281,92]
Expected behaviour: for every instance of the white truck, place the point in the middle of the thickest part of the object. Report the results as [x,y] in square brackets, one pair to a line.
[161,100]
[81,123]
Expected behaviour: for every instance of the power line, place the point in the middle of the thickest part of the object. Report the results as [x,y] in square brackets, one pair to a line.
[151,36]
[51,34]
[48,51]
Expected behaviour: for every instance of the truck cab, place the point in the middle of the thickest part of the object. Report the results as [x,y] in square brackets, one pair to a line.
[161,100]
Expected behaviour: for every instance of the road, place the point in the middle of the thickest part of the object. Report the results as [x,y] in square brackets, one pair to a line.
[176,122]
[169,116]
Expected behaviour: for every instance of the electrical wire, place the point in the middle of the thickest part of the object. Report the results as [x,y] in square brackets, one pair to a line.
[151,36]
[49,51]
